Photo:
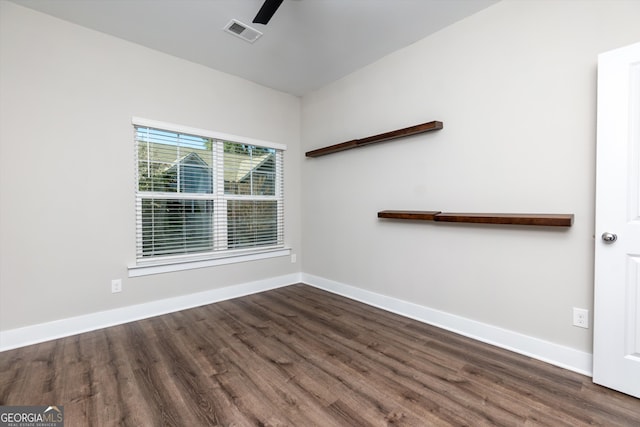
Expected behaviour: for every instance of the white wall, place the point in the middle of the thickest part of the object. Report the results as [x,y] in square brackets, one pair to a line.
[67,95]
[515,86]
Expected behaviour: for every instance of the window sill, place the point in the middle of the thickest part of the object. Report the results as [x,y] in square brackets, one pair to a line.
[138,270]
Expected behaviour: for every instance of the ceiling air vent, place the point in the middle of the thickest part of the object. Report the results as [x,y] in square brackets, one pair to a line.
[243,31]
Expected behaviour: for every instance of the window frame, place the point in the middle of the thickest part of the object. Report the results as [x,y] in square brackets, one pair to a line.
[218,256]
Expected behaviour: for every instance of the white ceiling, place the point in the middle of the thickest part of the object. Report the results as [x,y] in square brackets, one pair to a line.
[307,44]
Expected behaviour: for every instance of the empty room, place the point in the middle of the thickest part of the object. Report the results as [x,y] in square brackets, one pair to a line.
[319,212]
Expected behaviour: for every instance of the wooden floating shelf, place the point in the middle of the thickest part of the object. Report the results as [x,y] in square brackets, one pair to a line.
[547,220]
[383,137]
[413,215]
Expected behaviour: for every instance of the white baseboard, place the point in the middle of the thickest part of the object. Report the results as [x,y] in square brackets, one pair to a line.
[564,357]
[555,354]
[42,332]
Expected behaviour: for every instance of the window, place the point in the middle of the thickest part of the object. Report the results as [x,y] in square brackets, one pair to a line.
[203,195]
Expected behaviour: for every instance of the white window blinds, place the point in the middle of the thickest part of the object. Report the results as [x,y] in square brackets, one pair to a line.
[201,197]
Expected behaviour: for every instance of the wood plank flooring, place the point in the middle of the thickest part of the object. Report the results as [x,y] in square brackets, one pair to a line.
[298,356]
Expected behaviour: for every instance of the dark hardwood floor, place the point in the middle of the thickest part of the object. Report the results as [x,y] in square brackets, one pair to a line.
[298,356]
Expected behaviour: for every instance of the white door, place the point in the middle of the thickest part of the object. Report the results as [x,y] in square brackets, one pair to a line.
[616,329]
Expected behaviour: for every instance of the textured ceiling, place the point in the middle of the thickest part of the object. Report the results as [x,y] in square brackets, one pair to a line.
[307,44]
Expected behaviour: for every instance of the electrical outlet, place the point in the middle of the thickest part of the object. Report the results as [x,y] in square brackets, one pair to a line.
[581,317]
[116,286]
[294,258]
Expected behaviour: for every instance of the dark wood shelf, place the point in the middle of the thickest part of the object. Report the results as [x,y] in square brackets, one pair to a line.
[383,137]
[548,220]
[414,215]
